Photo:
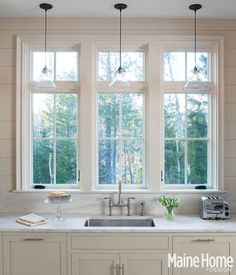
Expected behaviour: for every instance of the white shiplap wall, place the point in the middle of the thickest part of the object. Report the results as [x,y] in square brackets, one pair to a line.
[10,28]
[230,110]
[7,110]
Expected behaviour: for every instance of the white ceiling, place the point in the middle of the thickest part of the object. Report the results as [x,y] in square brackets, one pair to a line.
[104,8]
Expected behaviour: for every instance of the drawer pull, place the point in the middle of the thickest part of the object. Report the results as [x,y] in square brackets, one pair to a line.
[116,269]
[122,269]
[203,240]
[33,239]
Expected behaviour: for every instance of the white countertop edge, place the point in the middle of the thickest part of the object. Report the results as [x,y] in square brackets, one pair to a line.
[75,224]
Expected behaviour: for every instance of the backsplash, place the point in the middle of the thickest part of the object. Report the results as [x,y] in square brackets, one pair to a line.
[93,204]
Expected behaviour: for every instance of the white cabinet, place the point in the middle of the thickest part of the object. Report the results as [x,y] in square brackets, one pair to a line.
[201,246]
[94,264]
[106,253]
[1,260]
[34,254]
[140,264]
[119,264]
[118,254]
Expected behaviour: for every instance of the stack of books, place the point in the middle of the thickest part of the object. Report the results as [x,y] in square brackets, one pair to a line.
[31,220]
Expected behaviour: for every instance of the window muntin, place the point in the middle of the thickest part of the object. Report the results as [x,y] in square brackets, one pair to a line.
[121,138]
[179,65]
[186,138]
[63,65]
[132,62]
[55,138]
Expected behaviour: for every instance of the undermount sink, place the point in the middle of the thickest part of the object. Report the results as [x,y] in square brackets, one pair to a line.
[120,223]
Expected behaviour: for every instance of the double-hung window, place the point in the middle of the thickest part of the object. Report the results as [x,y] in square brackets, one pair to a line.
[50,142]
[54,143]
[120,122]
[189,121]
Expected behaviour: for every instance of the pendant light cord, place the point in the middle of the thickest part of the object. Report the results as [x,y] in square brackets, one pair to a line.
[120,39]
[195,8]
[45,35]
[45,32]
[195,37]
[120,7]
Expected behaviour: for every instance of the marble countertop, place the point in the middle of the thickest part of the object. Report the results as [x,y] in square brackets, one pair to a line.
[75,223]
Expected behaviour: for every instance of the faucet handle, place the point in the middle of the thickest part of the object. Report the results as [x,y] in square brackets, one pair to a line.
[142,203]
[131,198]
[128,204]
[110,204]
[107,198]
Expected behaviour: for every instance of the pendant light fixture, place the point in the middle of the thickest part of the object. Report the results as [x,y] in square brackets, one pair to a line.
[45,81]
[195,82]
[120,83]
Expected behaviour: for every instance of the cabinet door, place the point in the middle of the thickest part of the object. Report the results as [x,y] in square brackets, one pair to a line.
[201,246]
[34,254]
[141,264]
[95,264]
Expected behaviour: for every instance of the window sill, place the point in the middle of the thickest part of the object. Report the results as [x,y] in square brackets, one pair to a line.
[193,191]
[169,191]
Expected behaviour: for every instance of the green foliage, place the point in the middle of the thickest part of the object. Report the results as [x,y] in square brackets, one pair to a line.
[169,202]
[186,130]
[197,158]
[42,161]
[180,154]
[120,138]
[66,115]
[66,161]
[204,64]
[174,162]
[59,121]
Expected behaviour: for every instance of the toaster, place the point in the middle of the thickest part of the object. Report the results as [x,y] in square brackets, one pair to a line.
[214,207]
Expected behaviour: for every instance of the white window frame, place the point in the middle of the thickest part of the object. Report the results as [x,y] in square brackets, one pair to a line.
[54,140]
[25,90]
[185,139]
[215,106]
[136,87]
[125,186]
[88,87]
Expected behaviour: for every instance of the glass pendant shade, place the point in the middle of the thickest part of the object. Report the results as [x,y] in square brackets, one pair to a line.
[45,81]
[120,83]
[195,82]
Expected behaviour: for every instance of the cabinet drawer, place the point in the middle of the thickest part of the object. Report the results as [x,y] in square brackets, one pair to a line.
[33,236]
[119,241]
[198,245]
[34,253]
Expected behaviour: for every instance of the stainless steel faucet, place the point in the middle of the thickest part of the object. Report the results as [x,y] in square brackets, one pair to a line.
[120,202]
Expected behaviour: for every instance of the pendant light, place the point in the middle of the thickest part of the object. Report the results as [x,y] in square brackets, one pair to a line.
[195,82]
[45,81]
[120,83]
